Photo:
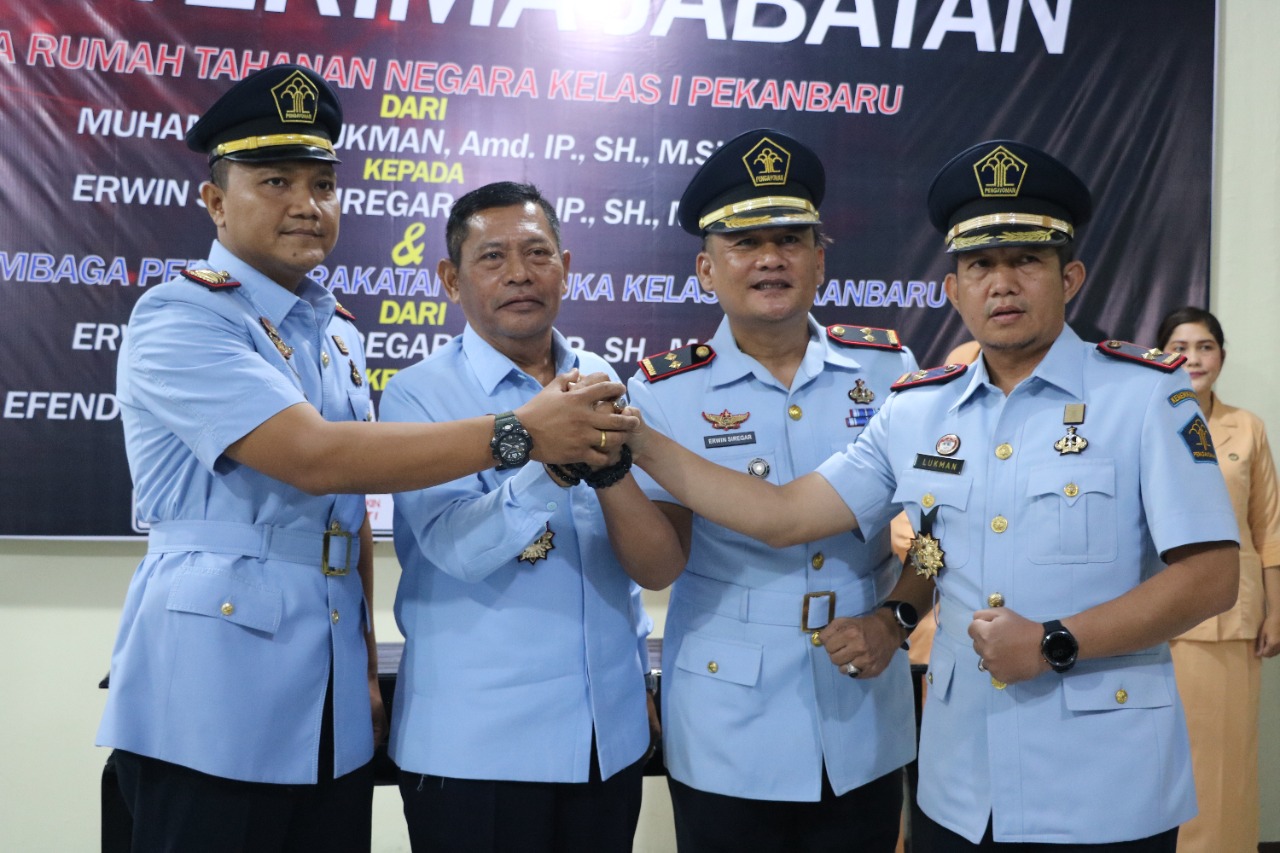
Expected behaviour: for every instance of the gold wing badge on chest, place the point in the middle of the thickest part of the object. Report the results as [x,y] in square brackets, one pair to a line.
[925,554]
[726,420]
[539,548]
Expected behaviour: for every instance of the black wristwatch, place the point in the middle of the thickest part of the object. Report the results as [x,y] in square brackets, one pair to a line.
[1059,647]
[511,442]
[905,615]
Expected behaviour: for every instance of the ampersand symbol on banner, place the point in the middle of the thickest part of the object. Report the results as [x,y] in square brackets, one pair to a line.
[409,250]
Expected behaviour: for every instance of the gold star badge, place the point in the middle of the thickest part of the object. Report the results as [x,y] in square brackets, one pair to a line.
[539,548]
[925,555]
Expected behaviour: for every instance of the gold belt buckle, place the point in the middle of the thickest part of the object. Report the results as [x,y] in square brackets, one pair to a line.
[831,610]
[336,532]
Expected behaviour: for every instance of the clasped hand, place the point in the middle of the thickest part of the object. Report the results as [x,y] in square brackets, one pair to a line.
[568,423]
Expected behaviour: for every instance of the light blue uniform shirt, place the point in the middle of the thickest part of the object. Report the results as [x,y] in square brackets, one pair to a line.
[229,625]
[509,665]
[751,707]
[1099,754]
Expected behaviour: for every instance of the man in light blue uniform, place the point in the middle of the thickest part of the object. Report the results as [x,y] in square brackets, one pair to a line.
[520,713]
[769,746]
[243,699]
[1047,488]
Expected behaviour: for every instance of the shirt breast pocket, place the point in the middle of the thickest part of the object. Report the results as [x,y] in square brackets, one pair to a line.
[922,492]
[1072,508]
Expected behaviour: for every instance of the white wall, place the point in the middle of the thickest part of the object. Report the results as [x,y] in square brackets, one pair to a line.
[59,601]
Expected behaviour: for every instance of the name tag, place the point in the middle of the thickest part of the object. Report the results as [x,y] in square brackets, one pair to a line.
[940,464]
[731,440]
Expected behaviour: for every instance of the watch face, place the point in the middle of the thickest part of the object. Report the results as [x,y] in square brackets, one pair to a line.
[1060,649]
[512,448]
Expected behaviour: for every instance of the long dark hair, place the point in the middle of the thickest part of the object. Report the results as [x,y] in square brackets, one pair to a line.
[1189,314]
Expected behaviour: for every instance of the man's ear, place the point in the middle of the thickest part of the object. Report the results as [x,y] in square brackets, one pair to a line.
[1073,276]
[950,285]
[449,279]
[213,197]
[702,268]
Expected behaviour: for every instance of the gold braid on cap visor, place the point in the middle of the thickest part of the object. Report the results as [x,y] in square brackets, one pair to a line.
[1011,219]
[799,204]
[272,140]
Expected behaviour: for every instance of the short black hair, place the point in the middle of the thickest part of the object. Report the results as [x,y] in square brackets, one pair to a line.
[499,194]
[1189,314]
[218,172]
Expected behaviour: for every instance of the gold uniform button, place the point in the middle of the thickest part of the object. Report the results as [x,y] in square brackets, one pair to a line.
[228,608]
[324,359]
[998,684]
[334,616]
[795,412]
[929,678]
[1071,490]
[995,599]
[818,560]
[1122,696]
[927,501]
[999,524]
[813,638]
[1004,451]
[713,667]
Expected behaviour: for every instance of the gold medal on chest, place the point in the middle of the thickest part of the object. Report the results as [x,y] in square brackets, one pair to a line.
[539,548]
[925,554]
[1072,416]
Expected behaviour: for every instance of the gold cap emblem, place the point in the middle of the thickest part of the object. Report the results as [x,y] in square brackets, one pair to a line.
[767,163]
[297,99]
[1000,173]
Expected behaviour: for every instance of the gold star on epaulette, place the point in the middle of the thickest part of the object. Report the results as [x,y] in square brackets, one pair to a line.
[666,364]
[930,376]
[1166,361]
[864,336]
[212,280]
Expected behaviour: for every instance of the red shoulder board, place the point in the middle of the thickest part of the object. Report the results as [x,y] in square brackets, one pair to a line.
[1166,361]
[864,336]
[213,280]
[931,376]
[345,313]
[667,364]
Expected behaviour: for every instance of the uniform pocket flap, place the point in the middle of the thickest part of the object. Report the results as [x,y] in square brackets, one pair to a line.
[222,595]
[942,666]
[1072,480]
[1117,686]
[723,659]
[947,489]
